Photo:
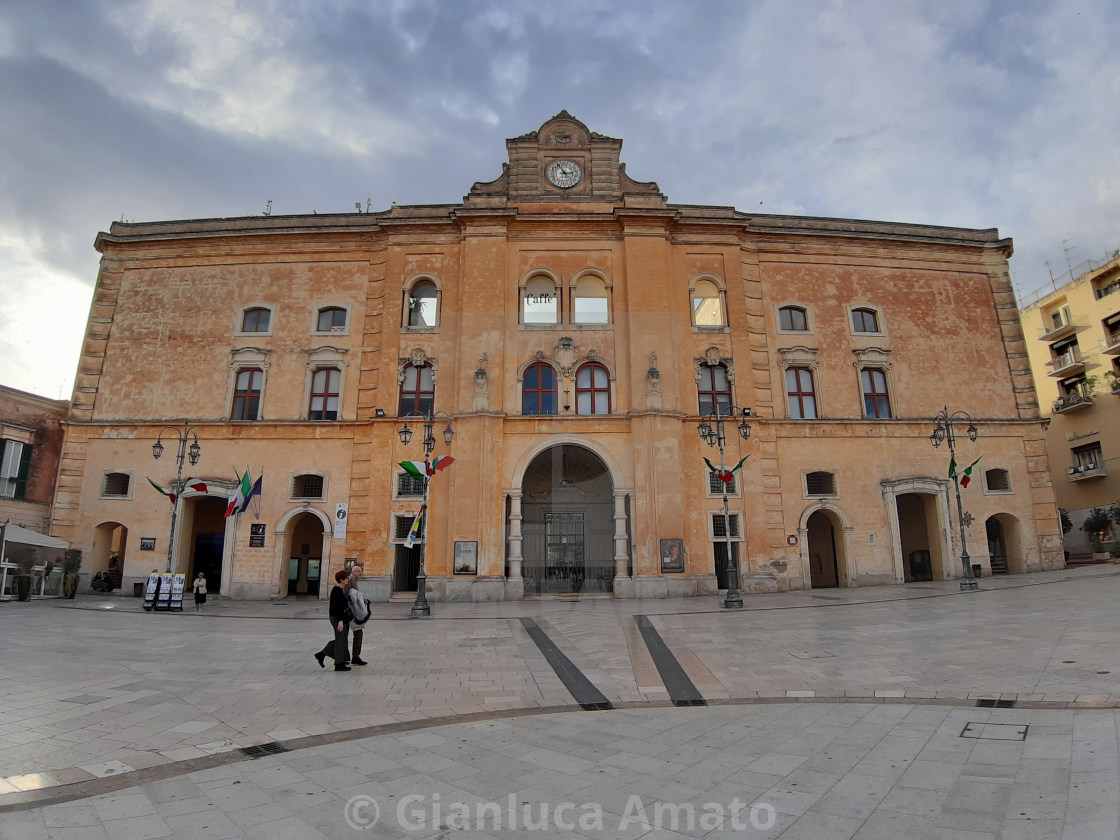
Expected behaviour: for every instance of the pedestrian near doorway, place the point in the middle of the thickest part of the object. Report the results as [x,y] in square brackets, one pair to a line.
[359,606]
[339,614]
[199,592]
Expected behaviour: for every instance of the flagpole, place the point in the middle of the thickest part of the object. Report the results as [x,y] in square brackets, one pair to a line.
[945,431]
[420,607]
[194,452]
[717,436]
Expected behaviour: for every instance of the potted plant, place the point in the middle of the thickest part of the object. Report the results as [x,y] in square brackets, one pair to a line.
[1095,526]
[71,566]
[1112,379]
[23,579]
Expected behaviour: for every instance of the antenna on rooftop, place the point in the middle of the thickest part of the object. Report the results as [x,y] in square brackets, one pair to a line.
[268,207]
[369,203]
[1069,249]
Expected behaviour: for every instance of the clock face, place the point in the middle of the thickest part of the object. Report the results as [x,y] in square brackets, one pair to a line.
[564,173]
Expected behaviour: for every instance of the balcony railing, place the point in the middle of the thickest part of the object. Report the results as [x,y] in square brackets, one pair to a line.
[1110,344]
[1067,363]
[1072,402]
[1063,328]
[1084,471]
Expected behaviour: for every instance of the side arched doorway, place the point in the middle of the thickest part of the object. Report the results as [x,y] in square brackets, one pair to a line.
[826,550]
[918,537]
[110,553]
[1004,545]
[304,553]
[567,507]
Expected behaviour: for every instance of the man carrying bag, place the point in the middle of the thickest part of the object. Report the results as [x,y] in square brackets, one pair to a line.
[359,606]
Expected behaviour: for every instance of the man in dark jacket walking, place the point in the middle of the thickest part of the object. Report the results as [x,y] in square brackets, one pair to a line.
[339,614]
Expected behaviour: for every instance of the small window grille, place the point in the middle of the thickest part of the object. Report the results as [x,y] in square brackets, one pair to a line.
[715,486]
[998,480]
[820,484]
[307,487]
[719,528]
[116,484]
[402,525]
[409,485]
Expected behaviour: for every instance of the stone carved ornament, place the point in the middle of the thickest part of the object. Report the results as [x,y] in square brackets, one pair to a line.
[417,358]
[653,375]
[714,356]
[480,376]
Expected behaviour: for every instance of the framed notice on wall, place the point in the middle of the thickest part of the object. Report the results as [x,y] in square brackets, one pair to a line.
[147,543]
[466,558]
[672,556]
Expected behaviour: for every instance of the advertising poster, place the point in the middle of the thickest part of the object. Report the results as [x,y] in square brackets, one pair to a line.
[177,583]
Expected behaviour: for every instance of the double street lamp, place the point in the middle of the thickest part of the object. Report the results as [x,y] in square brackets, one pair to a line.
[193,453]
[713,432]
[420,608]
[945,432]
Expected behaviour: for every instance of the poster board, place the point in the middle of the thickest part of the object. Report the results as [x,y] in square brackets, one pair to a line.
[177,584]
[151,589]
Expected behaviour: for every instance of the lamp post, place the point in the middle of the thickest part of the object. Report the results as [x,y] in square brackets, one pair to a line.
[420,608]
[716,435]
[193,452]
[945,431]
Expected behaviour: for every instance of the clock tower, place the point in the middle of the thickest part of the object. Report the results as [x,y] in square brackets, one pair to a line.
[565,161]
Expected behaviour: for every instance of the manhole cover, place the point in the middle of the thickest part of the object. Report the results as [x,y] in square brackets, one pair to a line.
[996,731]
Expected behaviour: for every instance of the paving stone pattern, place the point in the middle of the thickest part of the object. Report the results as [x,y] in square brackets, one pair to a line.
[853,716]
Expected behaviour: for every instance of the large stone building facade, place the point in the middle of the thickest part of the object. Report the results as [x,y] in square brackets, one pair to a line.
[571,326]
[30,444]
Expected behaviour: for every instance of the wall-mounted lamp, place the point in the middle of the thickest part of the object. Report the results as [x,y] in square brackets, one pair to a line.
[379,412]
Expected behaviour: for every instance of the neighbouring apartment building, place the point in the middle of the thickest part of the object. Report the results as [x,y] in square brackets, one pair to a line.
[30,444]
[572,329]
[1073,335]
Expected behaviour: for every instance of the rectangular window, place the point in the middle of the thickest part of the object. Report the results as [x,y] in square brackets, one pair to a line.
[715,486]
[403,524]
[409,485]
[876,402]
[15,464]
[116,484]
[802,397]
[719,527]
[307,487]
[247,395]
[1088,458]
[325,386]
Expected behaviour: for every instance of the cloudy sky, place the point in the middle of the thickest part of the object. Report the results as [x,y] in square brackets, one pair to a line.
[953,112]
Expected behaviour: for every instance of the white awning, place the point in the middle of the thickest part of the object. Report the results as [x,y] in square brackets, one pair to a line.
[22,536]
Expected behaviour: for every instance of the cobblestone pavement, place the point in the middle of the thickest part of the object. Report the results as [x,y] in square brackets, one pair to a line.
[843,713]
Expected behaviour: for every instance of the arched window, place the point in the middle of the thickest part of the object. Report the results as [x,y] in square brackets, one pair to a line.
[417,391]
[707,304]
[256,320]
[247,394]
[799,391]
[538,390]
[326,383]
[793,319]
[423,305]
[331,318]
[865,320]
[876,400]
[589,302]
[593,389]
[540,304]
[713,387]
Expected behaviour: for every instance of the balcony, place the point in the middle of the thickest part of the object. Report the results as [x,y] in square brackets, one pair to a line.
[1064,328]
[1071,402]
[1067,364]
[1110,344]
[1084,471]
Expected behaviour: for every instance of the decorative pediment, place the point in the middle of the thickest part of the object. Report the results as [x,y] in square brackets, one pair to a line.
[326,354]
[871,357]
[246,356]
[798,356]
[714,356]
[566,354]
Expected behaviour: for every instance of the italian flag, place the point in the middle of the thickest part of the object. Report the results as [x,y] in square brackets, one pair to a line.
[244,488]
[726,475]
[964,477]
[197,486]
[416,468]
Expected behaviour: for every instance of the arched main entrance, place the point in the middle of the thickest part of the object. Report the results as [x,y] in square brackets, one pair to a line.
[567,507]
[204,538]
[826,550]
